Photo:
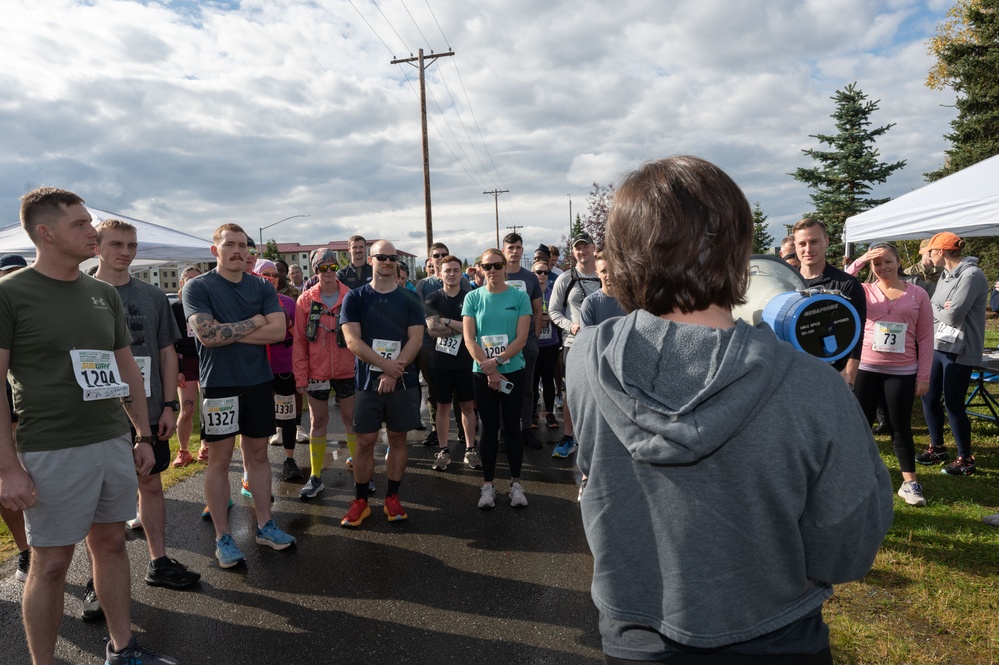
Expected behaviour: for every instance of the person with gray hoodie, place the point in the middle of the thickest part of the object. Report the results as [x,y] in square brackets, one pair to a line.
[958,305]
[716,537]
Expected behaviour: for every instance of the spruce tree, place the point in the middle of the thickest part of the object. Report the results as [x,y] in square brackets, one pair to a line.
[843,180]
[763,242]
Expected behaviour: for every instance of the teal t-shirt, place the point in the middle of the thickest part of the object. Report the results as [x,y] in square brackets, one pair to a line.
[496,316]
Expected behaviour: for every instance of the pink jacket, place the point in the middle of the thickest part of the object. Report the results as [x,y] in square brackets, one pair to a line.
[322,359]
[913,308]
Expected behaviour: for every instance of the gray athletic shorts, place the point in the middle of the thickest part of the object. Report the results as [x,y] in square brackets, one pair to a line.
[77,487]
[399,410]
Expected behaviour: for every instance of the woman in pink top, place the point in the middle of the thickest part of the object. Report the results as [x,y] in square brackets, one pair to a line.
[896,357]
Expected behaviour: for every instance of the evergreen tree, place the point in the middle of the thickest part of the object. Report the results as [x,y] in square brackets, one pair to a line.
[763,242]
[967,51]
[842,181]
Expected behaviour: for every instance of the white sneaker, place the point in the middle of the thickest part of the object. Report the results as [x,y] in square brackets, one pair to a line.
[301,435]
[517,498]
[472,458]
[441,460]
[912,492]
[277,439]
[487,496]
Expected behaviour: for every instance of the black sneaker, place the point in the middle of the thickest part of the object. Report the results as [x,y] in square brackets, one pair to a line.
[171,574]
[431,439]
[290,472]
[962,466]
[932,456]
[92,610]
[23,563]
[134,654]
[529,440]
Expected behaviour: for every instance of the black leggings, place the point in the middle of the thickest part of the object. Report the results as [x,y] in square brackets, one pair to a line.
[544,372]
[284,384]
[491,403]
[899,392]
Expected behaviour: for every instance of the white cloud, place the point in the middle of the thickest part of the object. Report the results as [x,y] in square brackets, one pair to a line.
[191,114]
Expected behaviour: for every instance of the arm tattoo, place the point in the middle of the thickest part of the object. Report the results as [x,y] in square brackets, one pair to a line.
[221,334]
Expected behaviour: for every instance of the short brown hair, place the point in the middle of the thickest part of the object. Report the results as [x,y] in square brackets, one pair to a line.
[112,224]
[227,227]
[42,203]
[808,223]
[450,258]
[679,237]
[352,239]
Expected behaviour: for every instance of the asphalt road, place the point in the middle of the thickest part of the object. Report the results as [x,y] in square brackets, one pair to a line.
[453,584]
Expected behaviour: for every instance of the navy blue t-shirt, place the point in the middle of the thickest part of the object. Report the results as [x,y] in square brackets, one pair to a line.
[385,318]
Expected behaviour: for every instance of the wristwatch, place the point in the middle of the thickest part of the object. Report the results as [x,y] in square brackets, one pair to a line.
[174,404]
[144,439]
[500,360]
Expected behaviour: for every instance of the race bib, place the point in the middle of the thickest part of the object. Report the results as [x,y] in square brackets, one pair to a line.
[449,345]
[97,374]
[220,416]
[518,284]
[494,345]
[318,385]
[386,348]
[546,331]
[946,333]
[889,337]
[145,366]
[284,407]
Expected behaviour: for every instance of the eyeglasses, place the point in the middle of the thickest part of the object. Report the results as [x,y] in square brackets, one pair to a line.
[269,275]
[542,272]
[438,256]
[499,265]
[391,258]
[326,268]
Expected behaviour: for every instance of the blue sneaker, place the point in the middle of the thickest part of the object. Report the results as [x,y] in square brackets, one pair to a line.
[207,514]
[226,551]
[274,537]
[566,448]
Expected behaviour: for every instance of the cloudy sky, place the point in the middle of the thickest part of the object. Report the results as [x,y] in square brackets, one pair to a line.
[191,114]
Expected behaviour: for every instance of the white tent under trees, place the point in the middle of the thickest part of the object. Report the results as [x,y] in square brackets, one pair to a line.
[157,244]
[965,203]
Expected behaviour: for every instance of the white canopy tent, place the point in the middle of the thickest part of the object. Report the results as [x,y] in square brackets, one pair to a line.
[965,203]
[157,244]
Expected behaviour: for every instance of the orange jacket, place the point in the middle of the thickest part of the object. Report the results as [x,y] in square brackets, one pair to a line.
[322,359]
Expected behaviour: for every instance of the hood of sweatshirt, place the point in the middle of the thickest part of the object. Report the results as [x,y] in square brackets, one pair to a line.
[679,406]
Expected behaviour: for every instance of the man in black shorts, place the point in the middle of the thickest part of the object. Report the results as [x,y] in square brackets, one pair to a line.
[450,364]
[235,316]
[383,325]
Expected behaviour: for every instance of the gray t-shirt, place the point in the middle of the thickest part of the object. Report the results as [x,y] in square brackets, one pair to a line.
[597,308]
[153,327]
[239,364]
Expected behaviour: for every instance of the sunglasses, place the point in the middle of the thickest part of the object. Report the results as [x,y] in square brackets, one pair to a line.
[326,268]
[252,251]
[391,258]
[438,256]
[542,272]
[269,275]
[499,265]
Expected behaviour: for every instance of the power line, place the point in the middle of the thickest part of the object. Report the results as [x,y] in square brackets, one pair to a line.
[370,27]
[425,40]
[403,41]
[446,40]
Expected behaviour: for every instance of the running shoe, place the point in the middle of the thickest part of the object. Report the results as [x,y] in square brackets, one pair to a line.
[182,459]
[290,471]
[133,654]
[431,439]
[962,466]
[558,402]
[23,564]
[301,435]
[245,489]
[371,487]
[933,456]
[277,439]
[92,610]
[530,441]
[551,421]
[566,448]
[487,496]
[517,498]
[226,551]
[312,488]
[171,574]
[991,520]
[273,537]
[472,458]
[349,462]
[393,509]
[207,514]
[912,492]
[134,523]
[441,460]
[203,453]
[357,513]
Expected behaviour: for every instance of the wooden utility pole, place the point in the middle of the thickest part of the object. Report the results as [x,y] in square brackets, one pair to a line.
[420,60]
[514,228]
[496,193]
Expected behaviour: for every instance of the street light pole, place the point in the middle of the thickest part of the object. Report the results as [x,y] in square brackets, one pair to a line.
[261,230]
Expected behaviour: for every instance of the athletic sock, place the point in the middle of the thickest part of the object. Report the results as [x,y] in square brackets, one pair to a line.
[393,487]
[351,443]
[361,491]
[317,449]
